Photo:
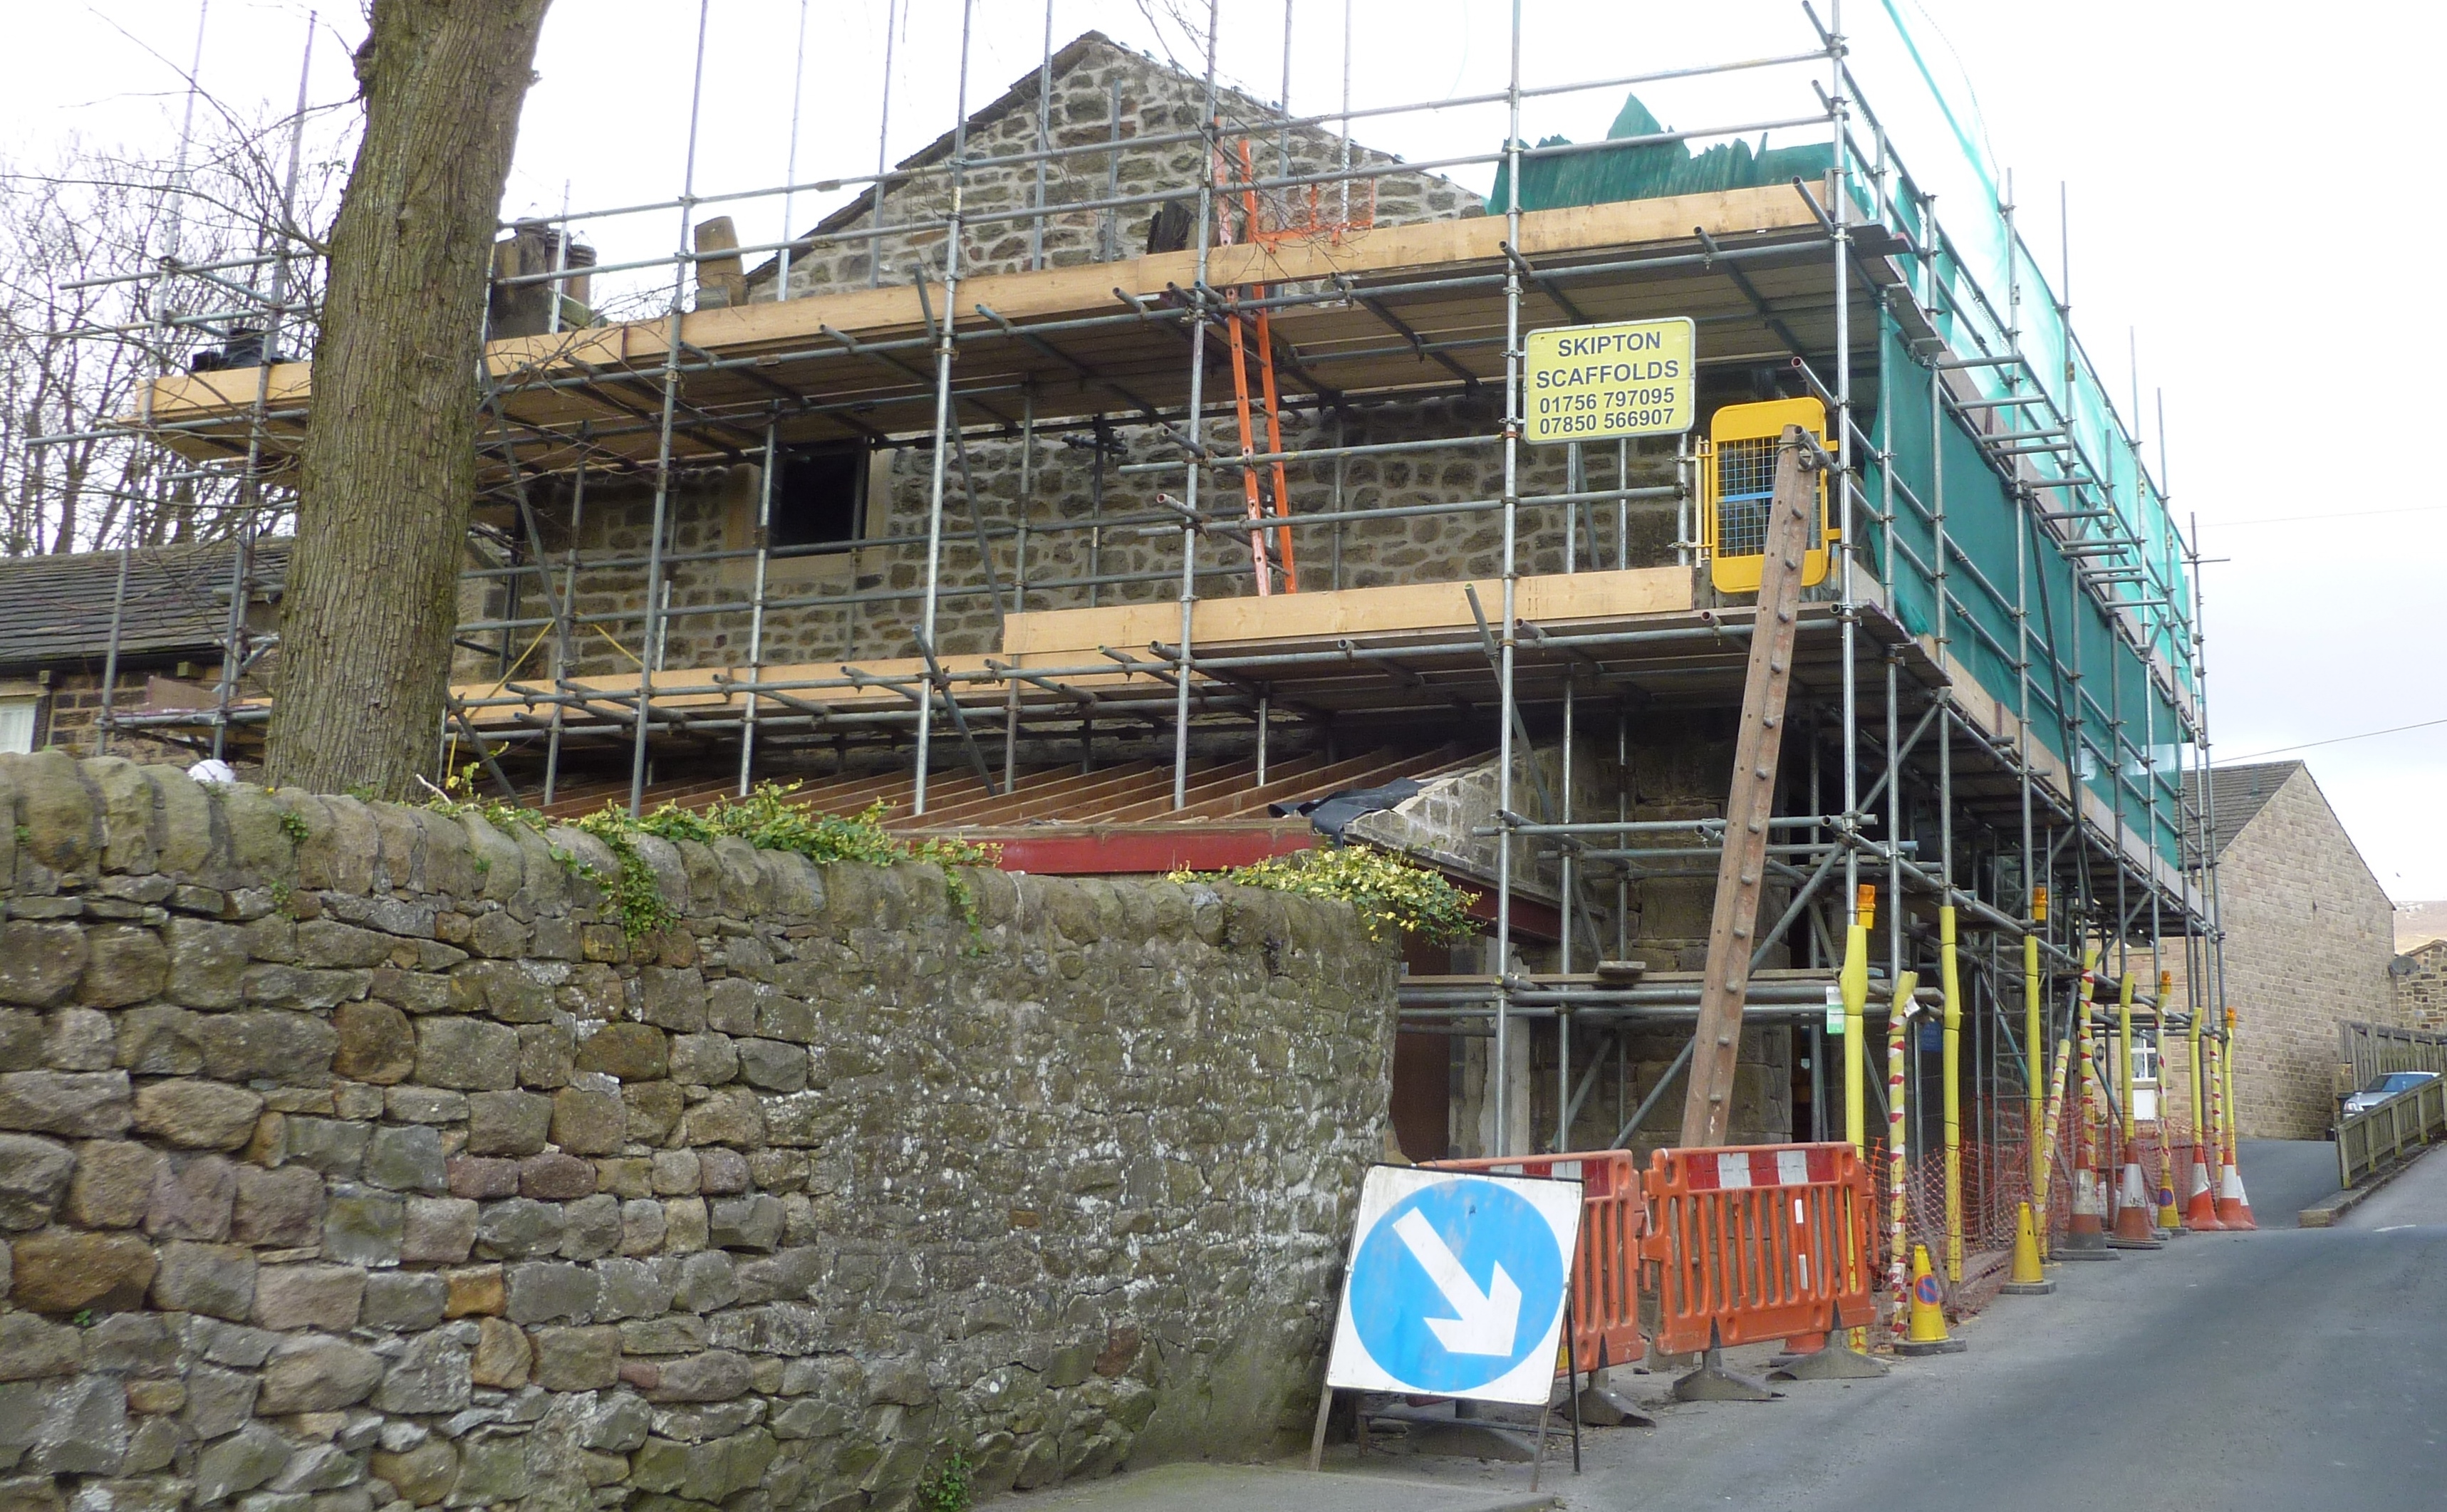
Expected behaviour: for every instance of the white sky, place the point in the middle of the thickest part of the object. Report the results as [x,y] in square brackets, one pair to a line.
[2237,175]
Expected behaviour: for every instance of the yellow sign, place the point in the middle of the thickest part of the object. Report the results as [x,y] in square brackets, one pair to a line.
[1596,383]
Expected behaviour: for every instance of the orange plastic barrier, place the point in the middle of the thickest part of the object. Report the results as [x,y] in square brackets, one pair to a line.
[1754,1243]
[1605,1270]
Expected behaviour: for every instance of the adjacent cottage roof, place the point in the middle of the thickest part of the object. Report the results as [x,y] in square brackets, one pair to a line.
[59,608]
[2238,794]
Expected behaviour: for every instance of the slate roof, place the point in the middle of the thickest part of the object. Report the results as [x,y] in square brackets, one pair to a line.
[2239,793]
[57,608]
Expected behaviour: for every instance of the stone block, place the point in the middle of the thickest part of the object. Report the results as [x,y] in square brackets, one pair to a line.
[325,942]
[753,1223]
[34,1174]
[633,1053]
[192,1198]
[708,1280]
[470,1054]
[673,997]
[280,1209]
[491,1470]
[309,1296]
[81,1039]
[554,1177]
[207,960]
[518,1227]
[59,1270]
[30,1347]
[438,1231]
[655,1109]
[219,1402]
[84,1429]
[332,1146]
[23,1040]
[721,1172]
[625,1177]
[375,1043]
[676,1173]
[549,1291]
[315,1373]
[301,986]
[82,1105]
[197,1115]
[432,1374]
[716,1375]
[215,1280]
[425,1105]
[703,1059]
[771,1065]
[240,1462]
[684,1224]
[421,1476]
[504,1358]
[473,1291]
[590,1227]
[473,1176]
[160,1040]
[787,1275]
[507,1123]
[732,1115]
[589,1120]
[363,1226]
[546,1056]
[125,964]
[405,1159]
[641,1226]
[576,1359]
[407,1300]
[40,961]
[631,1287]
[286,1047]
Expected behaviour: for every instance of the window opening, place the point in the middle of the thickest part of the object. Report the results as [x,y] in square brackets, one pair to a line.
[820,498]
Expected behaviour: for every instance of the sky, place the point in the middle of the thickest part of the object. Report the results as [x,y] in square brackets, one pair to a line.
[2243,220]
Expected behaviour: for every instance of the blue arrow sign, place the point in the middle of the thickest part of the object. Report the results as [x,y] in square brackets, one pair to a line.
[1457,1285]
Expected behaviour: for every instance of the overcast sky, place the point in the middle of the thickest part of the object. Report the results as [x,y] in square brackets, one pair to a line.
[2246,186]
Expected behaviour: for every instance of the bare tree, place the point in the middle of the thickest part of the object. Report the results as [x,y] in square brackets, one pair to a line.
[95,301]
[389,477]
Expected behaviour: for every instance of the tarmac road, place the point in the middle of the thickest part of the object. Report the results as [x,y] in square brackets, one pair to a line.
[2283,1370]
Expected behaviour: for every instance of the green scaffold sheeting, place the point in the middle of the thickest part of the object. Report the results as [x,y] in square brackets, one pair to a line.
[1651,171]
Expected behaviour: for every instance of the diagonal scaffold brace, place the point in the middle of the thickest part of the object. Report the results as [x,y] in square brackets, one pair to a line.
[1707,1104]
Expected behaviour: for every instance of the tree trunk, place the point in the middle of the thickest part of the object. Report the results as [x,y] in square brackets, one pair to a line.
[388,474]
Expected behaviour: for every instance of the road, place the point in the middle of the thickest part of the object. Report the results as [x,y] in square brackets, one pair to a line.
[2282,1370]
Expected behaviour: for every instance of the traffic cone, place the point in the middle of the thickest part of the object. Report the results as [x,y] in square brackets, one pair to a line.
[2027,1279]
[1925,1332]
[2086,1232]
[2135,1227]
[2200,1208]
[2171,1218]
[2233,1208]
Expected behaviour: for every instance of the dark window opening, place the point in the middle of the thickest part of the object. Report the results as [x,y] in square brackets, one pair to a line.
[819,498]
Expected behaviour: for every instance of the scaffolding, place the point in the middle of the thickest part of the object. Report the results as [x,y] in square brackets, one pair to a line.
[2000,688]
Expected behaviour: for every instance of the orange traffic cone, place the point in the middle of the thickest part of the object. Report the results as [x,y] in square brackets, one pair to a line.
[2135,1219]
[2200,1207]
[2233,1208]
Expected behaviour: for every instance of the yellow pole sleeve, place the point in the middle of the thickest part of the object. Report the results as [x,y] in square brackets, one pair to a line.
[2035,1054]
[1898,1023]
[1951,1066]
[2192,1074]
[1854,985]
[2233,1109]
[2124,1053]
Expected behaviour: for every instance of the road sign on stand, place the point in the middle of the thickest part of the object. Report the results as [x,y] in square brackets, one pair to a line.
[1457,1285]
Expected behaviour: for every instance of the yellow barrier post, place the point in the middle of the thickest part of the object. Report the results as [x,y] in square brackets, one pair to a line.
[2086,1231]
[2234,1206]
[2171,1218]
[1898,1023]
[2043,1178]
[1853,985]
[2136,1222]
[1950,1064]
[2035,1054]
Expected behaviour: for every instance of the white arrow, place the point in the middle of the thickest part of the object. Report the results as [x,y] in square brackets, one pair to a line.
[1489,1319]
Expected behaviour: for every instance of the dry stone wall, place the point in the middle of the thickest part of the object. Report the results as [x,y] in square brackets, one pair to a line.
[352,1157]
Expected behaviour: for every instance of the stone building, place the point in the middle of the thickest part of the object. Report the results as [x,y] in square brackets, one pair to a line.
[169,615]
[2420,979]
[2309,942]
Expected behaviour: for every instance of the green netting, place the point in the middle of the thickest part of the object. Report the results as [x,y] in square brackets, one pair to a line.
[1653,170]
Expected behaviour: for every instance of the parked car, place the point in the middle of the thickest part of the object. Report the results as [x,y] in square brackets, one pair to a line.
[2382,1090]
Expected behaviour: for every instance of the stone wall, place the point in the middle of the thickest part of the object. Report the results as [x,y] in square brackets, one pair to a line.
[2309,935]
[2420,983]
[351,1157]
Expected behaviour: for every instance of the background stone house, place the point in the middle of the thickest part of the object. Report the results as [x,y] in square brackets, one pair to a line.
[2420,979]
[2309,939]
[56,617]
